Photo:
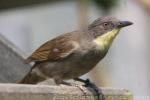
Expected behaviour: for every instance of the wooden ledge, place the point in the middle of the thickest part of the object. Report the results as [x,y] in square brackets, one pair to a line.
[45,92]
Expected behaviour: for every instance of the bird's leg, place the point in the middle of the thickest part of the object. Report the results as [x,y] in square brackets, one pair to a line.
[88,83]
[82,80]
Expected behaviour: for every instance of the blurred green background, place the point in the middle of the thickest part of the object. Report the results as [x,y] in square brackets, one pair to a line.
[30,23]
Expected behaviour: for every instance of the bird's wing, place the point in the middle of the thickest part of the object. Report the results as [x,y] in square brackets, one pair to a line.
[55,49]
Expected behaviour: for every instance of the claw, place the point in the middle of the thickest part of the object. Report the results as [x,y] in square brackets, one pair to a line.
[88,83]
[81,87]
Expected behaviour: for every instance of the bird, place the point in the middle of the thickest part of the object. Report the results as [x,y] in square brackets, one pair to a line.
[73,54]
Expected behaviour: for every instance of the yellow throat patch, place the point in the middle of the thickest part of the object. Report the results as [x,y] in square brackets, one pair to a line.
[104,41]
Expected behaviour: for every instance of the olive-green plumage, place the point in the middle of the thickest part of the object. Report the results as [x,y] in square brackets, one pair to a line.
[73,54]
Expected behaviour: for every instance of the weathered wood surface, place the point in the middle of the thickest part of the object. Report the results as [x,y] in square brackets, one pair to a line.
[45,92]
[12,66]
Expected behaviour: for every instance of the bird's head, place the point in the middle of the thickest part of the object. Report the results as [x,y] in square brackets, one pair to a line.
[106,29]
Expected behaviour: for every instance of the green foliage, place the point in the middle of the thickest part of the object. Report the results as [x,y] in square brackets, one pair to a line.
[106,5]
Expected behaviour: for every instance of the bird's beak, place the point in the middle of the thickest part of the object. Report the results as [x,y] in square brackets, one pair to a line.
[124,24]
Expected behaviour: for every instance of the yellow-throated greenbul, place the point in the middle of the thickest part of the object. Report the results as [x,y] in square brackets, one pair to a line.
[73,54]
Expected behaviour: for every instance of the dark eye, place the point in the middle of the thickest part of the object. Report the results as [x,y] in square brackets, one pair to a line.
[106,24]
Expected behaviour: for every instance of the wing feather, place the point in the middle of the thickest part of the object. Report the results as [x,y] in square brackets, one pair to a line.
[55,49]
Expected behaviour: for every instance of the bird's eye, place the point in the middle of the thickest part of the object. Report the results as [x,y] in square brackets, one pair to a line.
[106,24]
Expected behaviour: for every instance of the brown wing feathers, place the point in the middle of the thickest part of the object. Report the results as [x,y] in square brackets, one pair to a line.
[55,49]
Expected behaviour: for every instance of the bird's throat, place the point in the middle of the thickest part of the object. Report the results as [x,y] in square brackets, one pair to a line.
[104,41]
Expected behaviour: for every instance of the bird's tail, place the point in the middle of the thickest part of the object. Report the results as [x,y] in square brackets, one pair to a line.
[31,78]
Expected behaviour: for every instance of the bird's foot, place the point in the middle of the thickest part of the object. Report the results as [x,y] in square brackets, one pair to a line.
[88,83]
[81,87]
